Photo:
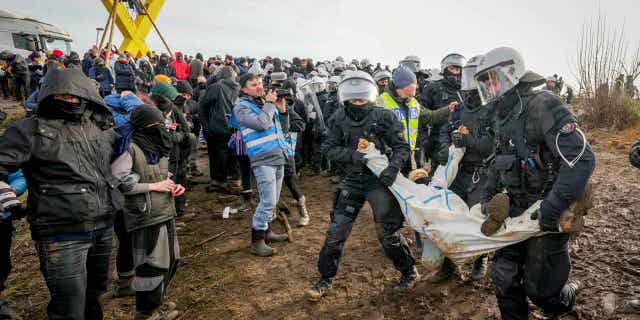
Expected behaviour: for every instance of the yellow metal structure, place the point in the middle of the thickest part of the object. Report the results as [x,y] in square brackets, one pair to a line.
[135,31]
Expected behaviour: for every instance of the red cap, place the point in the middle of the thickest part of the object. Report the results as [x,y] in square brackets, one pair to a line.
[57,53]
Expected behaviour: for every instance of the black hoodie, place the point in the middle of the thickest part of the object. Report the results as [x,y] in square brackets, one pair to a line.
[216,106]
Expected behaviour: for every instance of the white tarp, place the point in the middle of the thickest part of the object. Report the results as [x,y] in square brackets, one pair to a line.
[451,228]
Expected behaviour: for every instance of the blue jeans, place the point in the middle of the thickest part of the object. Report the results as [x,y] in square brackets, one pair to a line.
[77,274]
[269,181]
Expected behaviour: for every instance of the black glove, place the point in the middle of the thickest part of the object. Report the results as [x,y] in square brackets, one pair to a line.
[634,157]
[459,140]
[388,175]
[443,155]
[546,221]
[358,158]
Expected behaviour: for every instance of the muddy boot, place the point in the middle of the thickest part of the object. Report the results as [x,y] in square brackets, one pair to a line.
[6,312]
[304,213]
[408,281]
[276,237]
[124,288]
[572,220]
[448,268]
[258,245]
[569,295]
[235,187]
[498,211]
[247,201]
[318,290]
[480,268]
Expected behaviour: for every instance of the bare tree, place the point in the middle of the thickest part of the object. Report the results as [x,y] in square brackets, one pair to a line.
[600,54]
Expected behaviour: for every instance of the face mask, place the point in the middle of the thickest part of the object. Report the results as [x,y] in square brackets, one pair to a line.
[357,113]
[471,98]
[59,109]
[452,79]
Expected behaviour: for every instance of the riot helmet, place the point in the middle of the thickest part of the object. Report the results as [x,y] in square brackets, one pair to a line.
[411,62]
[357,85]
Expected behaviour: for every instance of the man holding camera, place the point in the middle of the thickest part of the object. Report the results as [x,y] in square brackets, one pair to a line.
[259,120]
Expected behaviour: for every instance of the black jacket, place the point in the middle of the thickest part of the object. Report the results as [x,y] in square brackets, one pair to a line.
[380,126]
[66,164]
[125,75]
[216,106]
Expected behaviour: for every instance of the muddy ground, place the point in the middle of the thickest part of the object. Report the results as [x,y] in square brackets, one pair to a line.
[222,280]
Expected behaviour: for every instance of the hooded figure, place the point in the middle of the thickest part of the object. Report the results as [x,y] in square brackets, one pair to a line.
[65,152]
[163,66]
[180,67]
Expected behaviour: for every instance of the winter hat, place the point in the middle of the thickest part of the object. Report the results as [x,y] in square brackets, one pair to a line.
[183,86]
[98,61]
[403,77]
[145,115]
[228,73]
[163,78]
[164,90]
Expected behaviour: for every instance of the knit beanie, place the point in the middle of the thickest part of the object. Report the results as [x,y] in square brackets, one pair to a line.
[402,77]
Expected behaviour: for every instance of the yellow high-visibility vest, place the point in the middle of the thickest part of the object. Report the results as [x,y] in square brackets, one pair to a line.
[410,124]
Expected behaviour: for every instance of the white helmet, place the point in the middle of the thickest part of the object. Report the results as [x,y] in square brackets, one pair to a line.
[468,80]
[411,62]
[332,83]
[357,85]
[381,74]
[452,59]
[500,70]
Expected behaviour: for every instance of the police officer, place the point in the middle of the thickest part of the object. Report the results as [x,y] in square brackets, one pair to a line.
[360,118]
[540,154]
[440,94]
[399,97]
[470,126]
[382,78]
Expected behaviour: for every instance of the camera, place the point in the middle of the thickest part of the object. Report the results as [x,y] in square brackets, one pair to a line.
[276,84]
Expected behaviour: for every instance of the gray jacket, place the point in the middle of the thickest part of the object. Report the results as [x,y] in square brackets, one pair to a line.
[260,122]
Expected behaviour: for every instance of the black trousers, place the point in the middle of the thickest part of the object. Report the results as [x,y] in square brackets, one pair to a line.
[6,235]
[124,256]
[469,183]
[348,200]
[538,269]
[245,171]
[222,162]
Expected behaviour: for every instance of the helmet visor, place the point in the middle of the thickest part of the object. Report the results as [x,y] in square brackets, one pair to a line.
[494,82]
[352,89]
[414,66]
[468,81]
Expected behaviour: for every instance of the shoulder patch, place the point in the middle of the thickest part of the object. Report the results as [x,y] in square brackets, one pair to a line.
[568,128]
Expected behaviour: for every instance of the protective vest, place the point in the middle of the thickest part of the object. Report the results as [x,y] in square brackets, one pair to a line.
[292,139]
[261,142]
[526,169]
[411,124]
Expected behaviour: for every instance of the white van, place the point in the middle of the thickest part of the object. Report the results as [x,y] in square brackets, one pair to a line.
[22,35]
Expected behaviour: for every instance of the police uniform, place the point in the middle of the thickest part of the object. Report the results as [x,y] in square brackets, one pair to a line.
[540,153]
[438,94]
[381,127]
[472,174]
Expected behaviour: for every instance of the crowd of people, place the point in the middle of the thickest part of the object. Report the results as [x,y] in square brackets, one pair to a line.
[109,146]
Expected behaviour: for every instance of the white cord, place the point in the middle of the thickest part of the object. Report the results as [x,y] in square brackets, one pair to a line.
[573,162]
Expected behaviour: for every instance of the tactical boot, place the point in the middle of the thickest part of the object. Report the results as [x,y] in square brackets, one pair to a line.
[498,211]
[448,268]
[124,288]
[569,295]
[408,281]
[258,246]
[318,290]
[304,213]
[276,237]
[479,268]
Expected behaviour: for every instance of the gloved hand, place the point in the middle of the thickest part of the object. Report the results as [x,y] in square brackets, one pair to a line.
[634,157]
[546,221]
[358,158]
[459,140]
[443,155]
[388,175]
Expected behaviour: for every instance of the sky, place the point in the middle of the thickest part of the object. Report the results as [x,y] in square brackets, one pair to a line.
[544,31]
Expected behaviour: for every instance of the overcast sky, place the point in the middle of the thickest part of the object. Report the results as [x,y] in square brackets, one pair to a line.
[545,31]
